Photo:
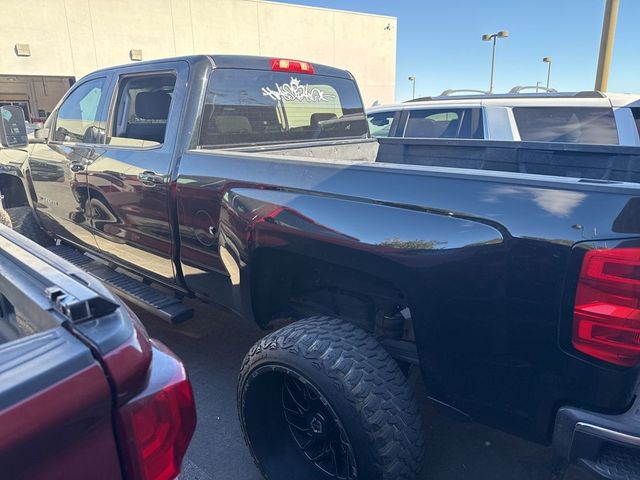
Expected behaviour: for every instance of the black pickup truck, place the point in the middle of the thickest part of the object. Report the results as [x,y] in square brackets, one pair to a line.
[507,275]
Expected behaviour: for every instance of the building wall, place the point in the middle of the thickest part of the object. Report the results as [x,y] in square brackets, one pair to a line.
[41,93]
[75,37]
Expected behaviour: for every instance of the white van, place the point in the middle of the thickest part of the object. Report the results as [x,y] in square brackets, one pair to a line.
[584,117]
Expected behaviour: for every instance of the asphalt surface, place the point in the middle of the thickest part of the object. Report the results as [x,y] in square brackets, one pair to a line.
[213,344]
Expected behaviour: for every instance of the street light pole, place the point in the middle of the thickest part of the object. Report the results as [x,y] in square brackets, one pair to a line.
[548,61]
[494,36]
[413,80]
[493,63]
[606,44]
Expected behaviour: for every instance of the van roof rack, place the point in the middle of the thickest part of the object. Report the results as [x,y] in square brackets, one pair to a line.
[538,89]
[450,93]
[514,92]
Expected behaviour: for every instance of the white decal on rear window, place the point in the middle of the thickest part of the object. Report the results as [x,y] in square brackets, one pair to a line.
[293,91]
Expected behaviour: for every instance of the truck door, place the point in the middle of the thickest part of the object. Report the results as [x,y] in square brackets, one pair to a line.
[129,182]
[58,166]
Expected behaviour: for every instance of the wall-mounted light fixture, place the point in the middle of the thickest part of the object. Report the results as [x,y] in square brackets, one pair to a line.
[22,50]
[135,54]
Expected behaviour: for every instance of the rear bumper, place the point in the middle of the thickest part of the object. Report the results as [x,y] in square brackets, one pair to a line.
[607,445]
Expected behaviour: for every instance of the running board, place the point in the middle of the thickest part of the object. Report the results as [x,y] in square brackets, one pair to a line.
[164,306]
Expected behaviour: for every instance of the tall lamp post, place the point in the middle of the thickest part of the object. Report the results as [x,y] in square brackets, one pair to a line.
[606,44]
[487,37]
[412,79]
[547,60]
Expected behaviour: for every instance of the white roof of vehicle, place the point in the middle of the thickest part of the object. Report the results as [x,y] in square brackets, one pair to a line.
[583,99]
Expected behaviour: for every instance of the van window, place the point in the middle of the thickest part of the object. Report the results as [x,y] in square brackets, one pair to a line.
[142,110]
[257,107]
[445,123]
[380,123]
[636,117]
[77,119]
[566,124]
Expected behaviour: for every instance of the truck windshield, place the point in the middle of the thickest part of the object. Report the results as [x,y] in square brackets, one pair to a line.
[244,107]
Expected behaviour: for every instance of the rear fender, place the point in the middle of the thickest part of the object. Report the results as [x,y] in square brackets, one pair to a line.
[408,248]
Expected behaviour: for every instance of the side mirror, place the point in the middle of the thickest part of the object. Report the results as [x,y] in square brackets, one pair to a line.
[13,127]
[40,135]
[380,122]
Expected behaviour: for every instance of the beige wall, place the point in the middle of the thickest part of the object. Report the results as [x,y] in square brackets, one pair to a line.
[75,37]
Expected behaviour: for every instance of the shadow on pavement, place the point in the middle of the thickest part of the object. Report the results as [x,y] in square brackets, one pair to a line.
[213,344]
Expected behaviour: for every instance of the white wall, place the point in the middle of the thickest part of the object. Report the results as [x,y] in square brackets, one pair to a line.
[75,37]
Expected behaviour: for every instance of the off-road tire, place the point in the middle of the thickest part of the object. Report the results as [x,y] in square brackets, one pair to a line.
[361,382]
[23,221]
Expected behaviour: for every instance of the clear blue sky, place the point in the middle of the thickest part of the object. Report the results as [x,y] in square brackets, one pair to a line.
[439,42]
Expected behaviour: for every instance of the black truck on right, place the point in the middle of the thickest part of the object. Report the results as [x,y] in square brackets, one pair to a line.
[506,273]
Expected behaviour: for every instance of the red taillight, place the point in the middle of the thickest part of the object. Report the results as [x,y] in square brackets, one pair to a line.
[296,66]
[157,425]
[606,322]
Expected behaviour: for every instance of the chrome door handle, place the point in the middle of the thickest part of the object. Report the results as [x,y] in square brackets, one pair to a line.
[151,178]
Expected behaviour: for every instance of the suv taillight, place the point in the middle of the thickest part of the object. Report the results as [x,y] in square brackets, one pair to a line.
[606,321]
[156,426]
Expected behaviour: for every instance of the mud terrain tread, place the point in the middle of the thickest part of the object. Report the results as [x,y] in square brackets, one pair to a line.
[366,375]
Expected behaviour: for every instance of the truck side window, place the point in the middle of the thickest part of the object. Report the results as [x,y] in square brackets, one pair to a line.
[444,123]
[77,119]
[142,110]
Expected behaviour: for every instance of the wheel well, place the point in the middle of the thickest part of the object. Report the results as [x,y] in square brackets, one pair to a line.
[13,191]
[289,285]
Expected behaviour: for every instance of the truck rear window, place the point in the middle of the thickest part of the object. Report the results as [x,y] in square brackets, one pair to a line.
[567,124]
[254,107]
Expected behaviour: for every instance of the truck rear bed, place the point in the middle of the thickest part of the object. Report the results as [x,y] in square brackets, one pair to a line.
[486,254]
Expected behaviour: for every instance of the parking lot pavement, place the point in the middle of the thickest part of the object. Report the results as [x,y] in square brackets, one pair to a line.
[213,344]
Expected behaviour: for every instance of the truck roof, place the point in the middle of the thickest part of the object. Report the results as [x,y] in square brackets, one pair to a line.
[247,62]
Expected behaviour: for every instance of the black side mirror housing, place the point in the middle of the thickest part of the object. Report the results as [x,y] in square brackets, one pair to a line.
[13,127]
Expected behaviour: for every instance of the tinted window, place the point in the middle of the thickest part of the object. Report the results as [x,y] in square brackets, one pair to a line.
[77,119]
[380,123]
[445,123]
[142,110]
[566,124]
[636,117]
[252,107]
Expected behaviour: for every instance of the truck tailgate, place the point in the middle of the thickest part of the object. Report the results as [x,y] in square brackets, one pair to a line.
[55,399]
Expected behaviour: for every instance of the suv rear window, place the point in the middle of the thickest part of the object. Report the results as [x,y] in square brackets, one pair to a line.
[566,124]
[254,107]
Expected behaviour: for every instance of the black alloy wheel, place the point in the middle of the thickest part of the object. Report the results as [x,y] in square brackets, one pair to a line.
[316,429]
[321,399]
